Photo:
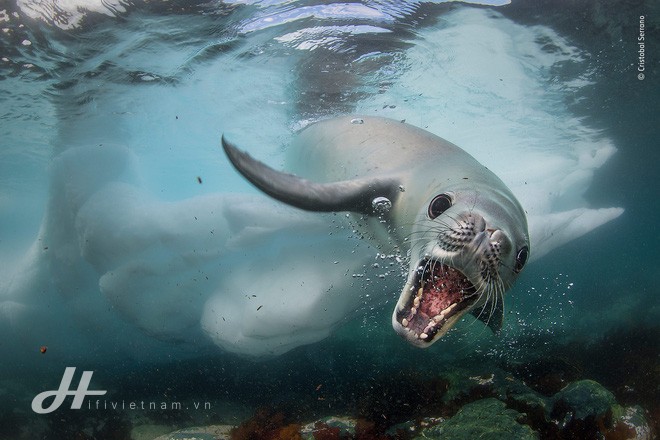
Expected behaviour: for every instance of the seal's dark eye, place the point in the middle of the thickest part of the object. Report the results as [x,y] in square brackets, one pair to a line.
[521,258]
[438,205]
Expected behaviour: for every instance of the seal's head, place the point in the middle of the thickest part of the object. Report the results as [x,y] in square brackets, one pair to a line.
[468,245]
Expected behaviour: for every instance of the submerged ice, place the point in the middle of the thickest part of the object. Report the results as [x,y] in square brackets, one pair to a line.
[134,257]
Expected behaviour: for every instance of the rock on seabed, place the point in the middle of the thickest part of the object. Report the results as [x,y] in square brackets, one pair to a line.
[487,419]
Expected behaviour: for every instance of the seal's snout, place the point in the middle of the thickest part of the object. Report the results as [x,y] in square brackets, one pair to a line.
[492,243]
[472,235]
[481,250]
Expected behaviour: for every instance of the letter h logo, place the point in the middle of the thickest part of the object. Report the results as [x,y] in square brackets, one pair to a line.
[63,391]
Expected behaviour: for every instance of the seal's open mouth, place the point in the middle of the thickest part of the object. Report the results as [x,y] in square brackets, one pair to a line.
[439,292]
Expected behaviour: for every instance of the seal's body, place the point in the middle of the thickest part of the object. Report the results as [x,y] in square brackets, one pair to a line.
[461,229]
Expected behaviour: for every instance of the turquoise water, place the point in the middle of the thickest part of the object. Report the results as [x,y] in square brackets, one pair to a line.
[124,229]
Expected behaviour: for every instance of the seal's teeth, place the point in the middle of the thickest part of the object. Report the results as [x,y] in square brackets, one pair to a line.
[411,314]
[449,309]
[404,322]
[416,301]
[420,292]
[423,336]
[438,318]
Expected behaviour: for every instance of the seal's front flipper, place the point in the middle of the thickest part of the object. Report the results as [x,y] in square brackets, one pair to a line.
[359,195]
[491,314]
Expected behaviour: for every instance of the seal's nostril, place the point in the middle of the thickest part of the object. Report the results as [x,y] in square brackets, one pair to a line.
[496,236]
